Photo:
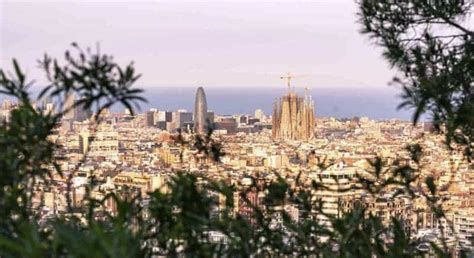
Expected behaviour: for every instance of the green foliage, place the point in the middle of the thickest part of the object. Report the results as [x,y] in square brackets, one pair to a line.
[94,77]
[429,43]
[28,156]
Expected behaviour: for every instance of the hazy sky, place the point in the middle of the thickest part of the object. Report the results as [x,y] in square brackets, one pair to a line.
[213,43]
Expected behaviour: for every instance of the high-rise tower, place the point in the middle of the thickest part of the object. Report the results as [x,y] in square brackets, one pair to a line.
[68,108]
[74,109]
[200,112]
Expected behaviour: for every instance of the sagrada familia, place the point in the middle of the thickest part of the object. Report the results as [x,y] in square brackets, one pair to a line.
[293,117]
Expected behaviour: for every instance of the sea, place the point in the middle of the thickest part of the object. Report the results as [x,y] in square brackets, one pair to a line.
[378,103]
[375,103]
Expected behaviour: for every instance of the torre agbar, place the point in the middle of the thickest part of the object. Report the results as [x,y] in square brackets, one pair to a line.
[293,117]
[200,112]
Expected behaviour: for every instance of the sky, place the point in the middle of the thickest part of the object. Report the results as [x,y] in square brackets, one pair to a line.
[211,43]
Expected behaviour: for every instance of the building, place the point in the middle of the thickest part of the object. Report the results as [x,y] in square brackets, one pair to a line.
[81,113]
[165,116]
[210,118]
[463,223]
[277,161]
[252,121]
[293,117]
[246,201]
[228,124]
[48,107]
[339,185]
[7,104]
[143,181]
[200,112]
[75,110]
[5,111]
[163,120]
[104,144]
[259,114]
[242,119]
[384,207]
[181,119]
[68,108]
[149,118]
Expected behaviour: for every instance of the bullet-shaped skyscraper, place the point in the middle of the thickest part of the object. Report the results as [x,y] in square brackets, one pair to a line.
[200,112]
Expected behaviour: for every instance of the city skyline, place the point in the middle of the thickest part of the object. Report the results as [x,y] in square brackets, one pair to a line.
[223,128]
[338,102]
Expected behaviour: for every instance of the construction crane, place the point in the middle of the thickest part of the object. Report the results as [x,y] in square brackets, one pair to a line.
[288,78]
